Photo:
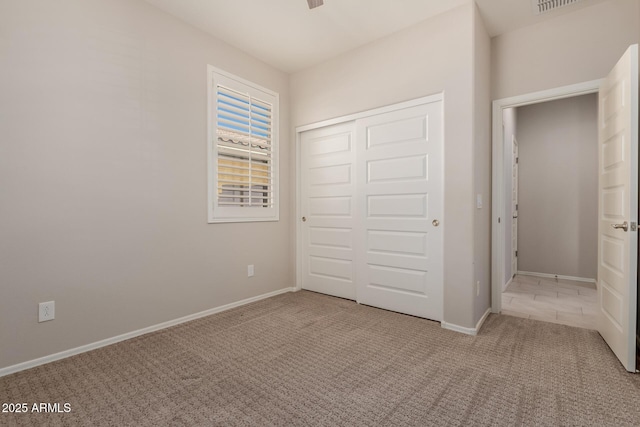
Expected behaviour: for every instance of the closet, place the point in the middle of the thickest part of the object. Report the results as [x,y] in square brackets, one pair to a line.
[372,208]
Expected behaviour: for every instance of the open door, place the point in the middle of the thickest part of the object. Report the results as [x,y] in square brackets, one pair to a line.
[618,207]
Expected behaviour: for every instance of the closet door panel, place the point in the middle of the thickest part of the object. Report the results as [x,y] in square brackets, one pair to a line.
[400,200]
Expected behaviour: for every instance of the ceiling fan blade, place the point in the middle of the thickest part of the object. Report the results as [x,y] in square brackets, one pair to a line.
[315,3]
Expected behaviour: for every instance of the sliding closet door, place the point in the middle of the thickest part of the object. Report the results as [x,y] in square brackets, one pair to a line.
[328,210]
[400,200]
[371,209]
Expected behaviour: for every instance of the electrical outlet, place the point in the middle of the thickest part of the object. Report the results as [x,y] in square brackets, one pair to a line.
[250,270]
[46,311]
[478,288]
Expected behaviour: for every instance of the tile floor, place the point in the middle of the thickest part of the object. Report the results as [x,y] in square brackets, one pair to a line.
[551,300]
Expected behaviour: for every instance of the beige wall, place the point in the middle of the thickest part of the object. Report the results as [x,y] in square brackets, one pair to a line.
[434,56]
[482,164]
[558,188]
[571,48]
[103,176]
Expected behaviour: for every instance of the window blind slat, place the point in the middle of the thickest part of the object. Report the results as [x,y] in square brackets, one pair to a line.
[263,194]
[242,154]
[261,105]
[228,95]
[229,108]
[226,171]
[246,204]
[243,179]
[253,156]
[242,165]
[234,126]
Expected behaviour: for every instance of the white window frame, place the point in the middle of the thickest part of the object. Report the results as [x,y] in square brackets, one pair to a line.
[217,213]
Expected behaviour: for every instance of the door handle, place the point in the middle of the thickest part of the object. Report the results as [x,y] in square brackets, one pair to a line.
[624,226]
[304,219]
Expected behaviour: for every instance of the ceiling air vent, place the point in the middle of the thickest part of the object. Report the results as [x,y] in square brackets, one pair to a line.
[544,6]
[314,3]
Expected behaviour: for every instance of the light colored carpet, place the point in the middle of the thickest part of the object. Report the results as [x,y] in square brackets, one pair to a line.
[309,359]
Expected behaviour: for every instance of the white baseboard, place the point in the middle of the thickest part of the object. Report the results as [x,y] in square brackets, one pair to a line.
[506,285]
[557,276]
[468,331]
[88,347]
[482,319]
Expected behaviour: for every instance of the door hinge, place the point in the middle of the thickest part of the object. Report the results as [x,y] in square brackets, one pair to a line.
[516,206]
[516,254]
[517,160]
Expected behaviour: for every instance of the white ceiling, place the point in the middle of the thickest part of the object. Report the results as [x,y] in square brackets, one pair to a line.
[290,37]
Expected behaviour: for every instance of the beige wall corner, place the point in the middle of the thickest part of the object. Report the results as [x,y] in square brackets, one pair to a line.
[482,167]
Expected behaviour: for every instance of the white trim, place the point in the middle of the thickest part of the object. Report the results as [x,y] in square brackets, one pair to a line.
[633,191]
[506,285]
[298,220]
[514,186]
[368,113]
[497,166]
[468,331]
[557,276]
[482,319]
[103,343]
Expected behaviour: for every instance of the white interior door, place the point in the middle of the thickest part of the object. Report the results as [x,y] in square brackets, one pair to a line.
[514,207]
[400,197]
[618,207]
[328,209]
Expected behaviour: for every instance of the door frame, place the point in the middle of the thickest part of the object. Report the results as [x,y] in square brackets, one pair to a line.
[514,184]
[497,173]
[298,156]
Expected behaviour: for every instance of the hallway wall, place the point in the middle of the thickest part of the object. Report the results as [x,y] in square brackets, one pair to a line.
[558,188]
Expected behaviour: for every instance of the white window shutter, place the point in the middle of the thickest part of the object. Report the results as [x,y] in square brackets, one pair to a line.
[244,151]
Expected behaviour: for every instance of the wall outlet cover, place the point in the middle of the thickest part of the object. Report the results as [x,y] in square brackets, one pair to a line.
[46,311]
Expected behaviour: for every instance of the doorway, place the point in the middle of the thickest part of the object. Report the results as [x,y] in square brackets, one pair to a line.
[617,256]
[501,207]
[551,199]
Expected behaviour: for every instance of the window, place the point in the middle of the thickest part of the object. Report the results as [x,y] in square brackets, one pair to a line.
[243,150]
